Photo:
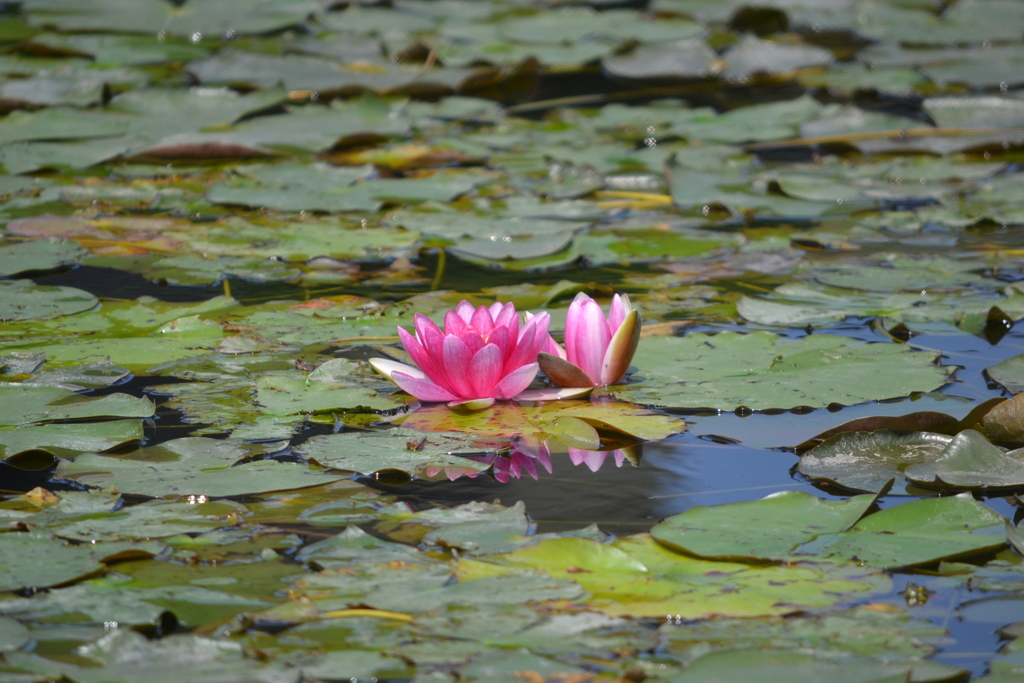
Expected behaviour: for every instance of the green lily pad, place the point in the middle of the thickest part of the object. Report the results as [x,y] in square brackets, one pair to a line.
[868,461]
[914,533]
[799,304]
[396,449]
[636,576]
[354,546]
[23,300]
[125,655]
[191,466]
[20,567]
[38,255]
[1009,373]
[216,18]
[106,600]
[12,634]
[134,353]
[762,666]
[761,370]
[970,461]
[336,385]
[772,528]
[862,632]
[22,404]
[920,532]
[102,516]
[67,440]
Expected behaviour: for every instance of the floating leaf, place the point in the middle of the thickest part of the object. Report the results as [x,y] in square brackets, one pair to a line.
[914,533]
[760,370]
[1009,373]
[920,532]
[22,404]
[67,440]
[636,576]
[761,666]
[770,528]
[397,449]
[969,461]
[191,466]
[38,255]
[64,562]
[23,300]
[868,461]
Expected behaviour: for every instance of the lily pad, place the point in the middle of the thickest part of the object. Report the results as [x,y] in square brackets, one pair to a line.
[762,666]
[12,634]
[970,461]
[23,404]
[1009,373]
[67,440]
[191,466]
[773,528]
[21,568]
[636,576]
[920,532]
[23,300]
[396,449]
[868,461]
[337,385]
[914,533]
[38,255]
[761,370]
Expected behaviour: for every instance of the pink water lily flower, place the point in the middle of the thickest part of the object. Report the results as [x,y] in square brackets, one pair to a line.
[482,355]
[598,348]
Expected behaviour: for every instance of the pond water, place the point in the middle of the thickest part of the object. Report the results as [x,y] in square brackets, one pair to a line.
[216,212]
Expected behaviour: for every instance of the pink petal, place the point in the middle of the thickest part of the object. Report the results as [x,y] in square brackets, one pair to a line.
[544,456]
[495,310]
[515,381]
[552,347]
[485,370]
[423,324]
[500,338]
[422,359]
[454,324]
[457,358]
[507,317]
[465,311]
[589,341]
[432,340]
[572,321]
[423,389]
[525,350]
[527,463]
[482,321]
[620,308]
[472,339]
[592,459]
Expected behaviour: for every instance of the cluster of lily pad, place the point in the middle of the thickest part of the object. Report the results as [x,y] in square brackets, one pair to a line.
[298,177]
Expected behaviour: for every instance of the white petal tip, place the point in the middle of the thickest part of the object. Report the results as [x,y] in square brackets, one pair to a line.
[553,393]
[472,405]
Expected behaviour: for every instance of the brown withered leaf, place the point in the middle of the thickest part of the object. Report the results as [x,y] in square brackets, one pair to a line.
[1004,423]
[924,421]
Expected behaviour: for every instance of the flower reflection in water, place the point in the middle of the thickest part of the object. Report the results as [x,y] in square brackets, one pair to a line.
[520,439]
[528,456]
